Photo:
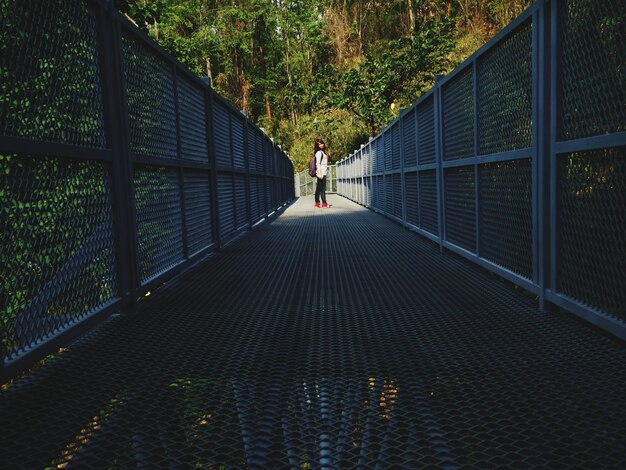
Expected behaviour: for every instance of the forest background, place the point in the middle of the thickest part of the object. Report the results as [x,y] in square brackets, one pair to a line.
[336,69]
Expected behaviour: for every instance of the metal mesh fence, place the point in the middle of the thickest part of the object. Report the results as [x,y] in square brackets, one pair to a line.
[226,200]
[255,207]
[505,192]
[57,257]
[89,219]
[307,184]
[192,121]
[159,221]
[221,133]
[461,207]
[260,155]
[428,210]
[412,200]
[593,79]
[262,195]
[409,137]
[426,132]
[505,93]
[252,155]
[150,94]
[241,205]
[397,195]
[238,143]
[380,154]
[592,228]
[458,117]
[388,195]
[198,211]
[396,158]
[50,85]
[520,159]
[387,145]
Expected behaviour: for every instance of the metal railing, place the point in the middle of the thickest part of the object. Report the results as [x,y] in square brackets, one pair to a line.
[305,184]
[517,159]
[118,168]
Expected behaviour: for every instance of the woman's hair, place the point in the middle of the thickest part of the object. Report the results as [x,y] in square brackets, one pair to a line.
[317,144]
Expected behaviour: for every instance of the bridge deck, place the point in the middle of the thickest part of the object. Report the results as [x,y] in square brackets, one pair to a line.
[328,338]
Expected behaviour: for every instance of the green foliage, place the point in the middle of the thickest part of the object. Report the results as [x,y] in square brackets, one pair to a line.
[56,257]
[341,130]
[49,82]
[395,74]
[292,63]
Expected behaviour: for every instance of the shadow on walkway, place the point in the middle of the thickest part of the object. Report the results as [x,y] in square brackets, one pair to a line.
[329,338]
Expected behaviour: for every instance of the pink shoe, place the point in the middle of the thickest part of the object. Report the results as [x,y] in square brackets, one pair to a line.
[317,204]
[325,205]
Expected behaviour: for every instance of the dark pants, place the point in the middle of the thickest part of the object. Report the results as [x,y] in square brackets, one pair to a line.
[320,190]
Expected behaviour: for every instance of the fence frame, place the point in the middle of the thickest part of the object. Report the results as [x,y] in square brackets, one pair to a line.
[304,180]
[543,18]
[276,176]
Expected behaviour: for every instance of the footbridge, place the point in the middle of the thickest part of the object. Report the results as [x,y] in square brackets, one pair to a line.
[169,302]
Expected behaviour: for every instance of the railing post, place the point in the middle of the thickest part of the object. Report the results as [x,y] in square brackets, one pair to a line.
[477,205]
[417,163]
[117,131]
[402,183]
[539,151]
[246,162]
[179,156]
[213,178]
[439,136]
[384,138]
[550,186]
[233,174]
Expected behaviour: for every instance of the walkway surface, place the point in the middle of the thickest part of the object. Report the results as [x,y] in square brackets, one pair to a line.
[327,339]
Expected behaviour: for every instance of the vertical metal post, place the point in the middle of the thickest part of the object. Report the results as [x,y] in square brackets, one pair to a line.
[540,150]
[233,174]
[439,151]
[364,160]
[370,172]
[213,176]
[246,162]
[417,163]
[383,139]
[179,156]
[117,132]
[477,205]
[553,183]
[402,152]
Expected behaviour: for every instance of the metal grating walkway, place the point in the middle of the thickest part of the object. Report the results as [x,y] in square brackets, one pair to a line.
[327,339]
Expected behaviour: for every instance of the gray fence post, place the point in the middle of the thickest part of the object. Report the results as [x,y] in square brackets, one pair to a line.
[437,104]
[117,128]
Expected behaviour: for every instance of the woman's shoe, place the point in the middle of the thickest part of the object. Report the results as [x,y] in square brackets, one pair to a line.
[317,204]
[325,205]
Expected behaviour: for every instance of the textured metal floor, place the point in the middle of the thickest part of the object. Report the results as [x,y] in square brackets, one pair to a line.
[334,339]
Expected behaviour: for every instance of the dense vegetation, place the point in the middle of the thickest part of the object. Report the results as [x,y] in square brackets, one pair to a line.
[339,69]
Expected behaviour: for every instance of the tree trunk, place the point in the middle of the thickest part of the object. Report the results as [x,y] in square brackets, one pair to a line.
[411,18]
[245,96]
[209,73]
[379,29]
[359,19]
[268,106]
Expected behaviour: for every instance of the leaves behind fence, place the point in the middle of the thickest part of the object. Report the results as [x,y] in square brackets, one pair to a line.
[592,228]
[50,86]
[149,84]
[57,258]
[593,76]
[159,219]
